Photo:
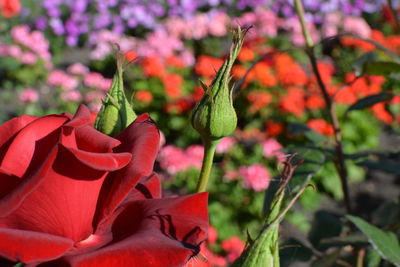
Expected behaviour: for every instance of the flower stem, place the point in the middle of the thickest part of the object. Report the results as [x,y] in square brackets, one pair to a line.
[340,159]
[209,151]
[394,14]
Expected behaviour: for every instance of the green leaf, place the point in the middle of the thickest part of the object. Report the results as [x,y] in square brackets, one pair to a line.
[325,225]
[353,240]
[386,243]
[385,165]
[372,258]
[383,68]
[359,62]
[295,128]
[370,101]
[313,158]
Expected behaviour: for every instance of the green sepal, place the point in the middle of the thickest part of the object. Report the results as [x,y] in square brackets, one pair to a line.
[116,112]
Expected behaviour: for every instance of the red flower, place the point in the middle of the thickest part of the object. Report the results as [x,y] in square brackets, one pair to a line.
[10,8]
[72,196]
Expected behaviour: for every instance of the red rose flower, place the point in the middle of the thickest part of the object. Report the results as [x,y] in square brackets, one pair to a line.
[72,196]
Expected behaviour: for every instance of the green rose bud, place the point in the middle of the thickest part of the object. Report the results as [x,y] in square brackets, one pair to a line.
[264,250]
[214,116]
[116,113]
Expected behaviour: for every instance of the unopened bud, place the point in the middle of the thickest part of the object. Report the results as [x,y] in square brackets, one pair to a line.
[116,113]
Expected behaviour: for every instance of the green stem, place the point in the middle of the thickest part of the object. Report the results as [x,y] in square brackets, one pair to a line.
[300,12]
[340,159]
[19,264]
[209,151]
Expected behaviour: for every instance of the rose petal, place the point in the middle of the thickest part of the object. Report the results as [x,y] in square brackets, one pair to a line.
[20,152]
[100,161]
[14,198]
[81,117]
[65,201]
[141,139]
[27,246]
[158,232]
[11,127]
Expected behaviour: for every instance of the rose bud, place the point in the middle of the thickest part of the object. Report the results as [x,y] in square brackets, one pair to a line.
[116,113]
[214,116]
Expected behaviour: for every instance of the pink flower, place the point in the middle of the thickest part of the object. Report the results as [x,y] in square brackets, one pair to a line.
[174,159]
[60,78]
[73,95]
[234,247]
[28,58]
[255,177]
[212,235]
[78,69]
[231,175]
[225,144]
[271,148]
[94,79]
[29,95]
[357,26]
[14,51]
[194,154]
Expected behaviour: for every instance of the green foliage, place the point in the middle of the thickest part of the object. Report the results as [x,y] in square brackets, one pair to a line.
[386,243]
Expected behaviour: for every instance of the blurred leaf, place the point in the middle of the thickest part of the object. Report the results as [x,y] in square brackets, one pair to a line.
[293,251]
[359,62]
[386,243]
[325,225]
[388,214]
[385,165]
[354,240]
[296,128]
[383,68]
[370,101]
[313,158]
[372,258]
[326,260]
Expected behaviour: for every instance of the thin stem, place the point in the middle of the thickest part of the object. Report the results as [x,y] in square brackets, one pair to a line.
[360,257]
[19,264]
[394,14]
[340,159]
[209,151]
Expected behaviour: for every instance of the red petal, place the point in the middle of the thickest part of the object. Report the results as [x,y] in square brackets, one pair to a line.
[64,202]
[81,117]
[28,247]
[141,138]
[153,232]
[100,161]
[11,127]
[21,149]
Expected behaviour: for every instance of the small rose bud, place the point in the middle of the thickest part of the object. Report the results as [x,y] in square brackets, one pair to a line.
[214,116]
[116,113]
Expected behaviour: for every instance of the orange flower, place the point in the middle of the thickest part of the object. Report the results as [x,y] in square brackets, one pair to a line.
[288,71]
[198,93]
[258,99]
[130,56]
[144,96]
[153,67]
[315,102]
[293,102]
[175,62]
[273,128]
[246,54]
[262,73]
[381,113]
[352,41]
[321,126]
[10,8]
[239,71]
[173,85]
[207,66]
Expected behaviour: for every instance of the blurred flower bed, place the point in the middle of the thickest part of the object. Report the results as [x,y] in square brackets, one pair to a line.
[56,55]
